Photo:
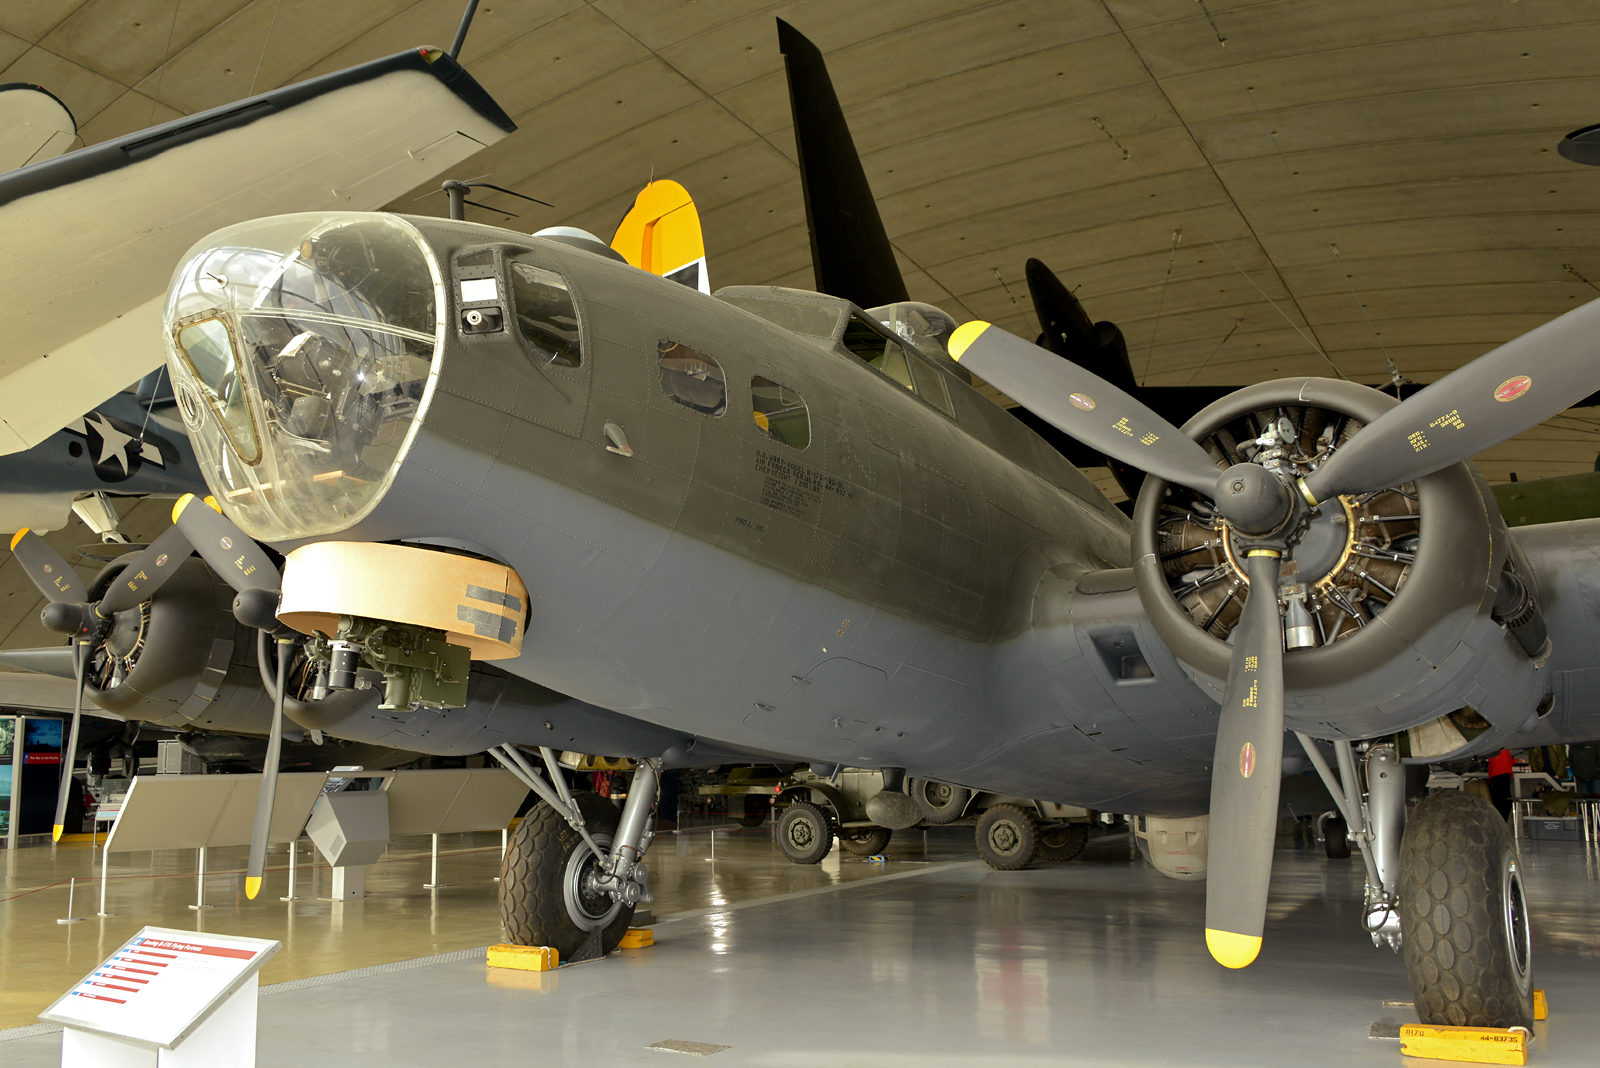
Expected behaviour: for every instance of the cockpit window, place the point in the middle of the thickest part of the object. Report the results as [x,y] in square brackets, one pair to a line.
[692,378]
[780,412]
[302,349]
[875,350]
[208,348]
[931,385]
[546,315]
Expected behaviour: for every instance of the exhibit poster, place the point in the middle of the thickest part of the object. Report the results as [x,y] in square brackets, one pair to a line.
[8,744]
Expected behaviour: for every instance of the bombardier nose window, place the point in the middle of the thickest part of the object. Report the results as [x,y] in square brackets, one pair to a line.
[304,347]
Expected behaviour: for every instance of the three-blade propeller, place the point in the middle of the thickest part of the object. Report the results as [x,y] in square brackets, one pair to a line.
[233,556]
[1501,394]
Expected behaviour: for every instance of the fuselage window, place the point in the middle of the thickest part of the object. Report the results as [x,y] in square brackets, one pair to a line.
[692,378]
[878,351]
[207,347]
[931,385]
[780,412]
[546,315]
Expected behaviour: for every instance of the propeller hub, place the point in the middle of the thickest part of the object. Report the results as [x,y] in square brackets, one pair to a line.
[1252,499]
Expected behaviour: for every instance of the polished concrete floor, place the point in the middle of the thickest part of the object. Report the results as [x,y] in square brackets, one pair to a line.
[930,959]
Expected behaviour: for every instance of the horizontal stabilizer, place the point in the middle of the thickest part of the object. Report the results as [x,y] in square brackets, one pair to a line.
[51,660]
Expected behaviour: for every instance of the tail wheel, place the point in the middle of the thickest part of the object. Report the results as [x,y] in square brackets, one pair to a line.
[547,897]
[1008,837]
[805,833]
[1336,838]
[865,841]
[939,802]
[1061,842]
[1464,916]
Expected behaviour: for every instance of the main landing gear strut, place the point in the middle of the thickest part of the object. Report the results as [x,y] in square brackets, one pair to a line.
[574,869]
[1445,887]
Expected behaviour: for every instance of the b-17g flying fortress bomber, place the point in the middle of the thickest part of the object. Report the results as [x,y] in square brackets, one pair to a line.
[767,521]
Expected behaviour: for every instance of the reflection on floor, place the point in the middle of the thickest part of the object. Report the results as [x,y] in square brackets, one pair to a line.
[931,959]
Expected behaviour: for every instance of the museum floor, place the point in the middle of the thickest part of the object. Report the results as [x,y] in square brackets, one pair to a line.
[931,959]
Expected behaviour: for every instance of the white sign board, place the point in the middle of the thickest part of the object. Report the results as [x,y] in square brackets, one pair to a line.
[160,985]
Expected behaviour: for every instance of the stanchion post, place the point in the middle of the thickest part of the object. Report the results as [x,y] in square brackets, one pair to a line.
[434,883]
[200,882]
[293,851]
[105,857]
[72,884]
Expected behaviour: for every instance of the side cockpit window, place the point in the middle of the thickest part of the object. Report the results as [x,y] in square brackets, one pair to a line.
[207,347]
[546,316]
[780,412]
[874,349]
[931,385]
[692,378]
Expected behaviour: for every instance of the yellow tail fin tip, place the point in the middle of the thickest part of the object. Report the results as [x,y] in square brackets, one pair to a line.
[252,887]
[964,336]
[1232,950]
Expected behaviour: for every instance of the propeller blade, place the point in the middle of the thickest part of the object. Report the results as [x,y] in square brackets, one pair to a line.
[139,581]
[58,660]
[850,252]
[1079,403]
[269,778]
[45,567]
[230,552]
[1495,397]
[69,755]
[1246,773]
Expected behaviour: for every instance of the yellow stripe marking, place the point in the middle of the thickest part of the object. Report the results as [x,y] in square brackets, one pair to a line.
[964,336]
[1232,950]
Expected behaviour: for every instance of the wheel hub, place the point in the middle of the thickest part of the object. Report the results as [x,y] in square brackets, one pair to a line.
[588,905]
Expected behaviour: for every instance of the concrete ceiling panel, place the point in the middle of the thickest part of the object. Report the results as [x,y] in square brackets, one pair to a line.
[32,19]
[81,89]
[127,39]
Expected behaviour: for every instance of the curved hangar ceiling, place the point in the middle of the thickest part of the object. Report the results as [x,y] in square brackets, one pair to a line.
[1250,190]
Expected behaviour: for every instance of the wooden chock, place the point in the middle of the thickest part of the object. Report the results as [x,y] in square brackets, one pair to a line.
[524,958]
[1476,1045]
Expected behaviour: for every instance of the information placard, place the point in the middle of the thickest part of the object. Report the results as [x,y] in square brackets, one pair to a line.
[160,985]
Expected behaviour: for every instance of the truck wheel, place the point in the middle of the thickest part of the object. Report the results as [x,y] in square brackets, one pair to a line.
[1062,841]
[939,802]
[1463,916]
[1008,837]
[1336,838]
[754,811]
[864,841]
[544,896]
[805,833]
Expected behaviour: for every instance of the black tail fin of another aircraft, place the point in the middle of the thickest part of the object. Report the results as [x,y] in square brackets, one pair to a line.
[850,251]
[1096,347]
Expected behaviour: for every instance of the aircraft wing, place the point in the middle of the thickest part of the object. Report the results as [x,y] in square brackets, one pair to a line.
[88,240]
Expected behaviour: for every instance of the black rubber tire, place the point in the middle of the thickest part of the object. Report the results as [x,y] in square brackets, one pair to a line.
[865,841]
[754,811]
[532,906]
[1060,842]
[1008,837]
[1463,917]
[939,802]
[1336,838]
[805,833]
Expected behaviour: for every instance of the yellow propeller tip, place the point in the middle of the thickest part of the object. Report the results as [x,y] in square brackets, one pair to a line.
[182,503]
[964,336]
[211,503]
[252,887]
[1232,950]
[55,832]
[18,536]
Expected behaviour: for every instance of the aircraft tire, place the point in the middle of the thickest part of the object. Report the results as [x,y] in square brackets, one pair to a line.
[805,833]
[533,904]
[865,841]
[1463,916]
[1061,842]
[939,802]
[1336,838]
[1008,837]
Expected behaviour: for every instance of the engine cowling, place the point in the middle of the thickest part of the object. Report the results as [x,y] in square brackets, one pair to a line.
[1398,586]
